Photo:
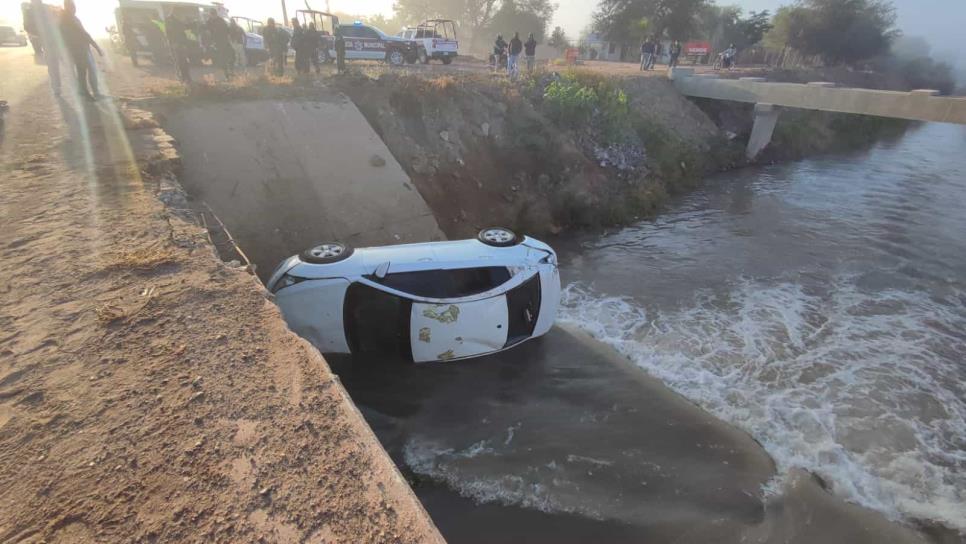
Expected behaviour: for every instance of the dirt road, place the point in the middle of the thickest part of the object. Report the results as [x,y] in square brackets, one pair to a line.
[148,392]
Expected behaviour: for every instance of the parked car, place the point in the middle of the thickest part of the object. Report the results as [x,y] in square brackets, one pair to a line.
[255,51]
[435,39]
[436,301]
[9,34]
[368,42]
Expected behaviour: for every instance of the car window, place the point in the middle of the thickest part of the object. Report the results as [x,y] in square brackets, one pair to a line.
[365,32]
[350,31]
[461,282]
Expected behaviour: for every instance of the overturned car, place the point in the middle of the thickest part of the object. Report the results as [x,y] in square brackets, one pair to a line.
[436,301]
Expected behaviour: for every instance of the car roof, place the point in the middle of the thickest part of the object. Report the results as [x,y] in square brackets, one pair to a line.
[421,256]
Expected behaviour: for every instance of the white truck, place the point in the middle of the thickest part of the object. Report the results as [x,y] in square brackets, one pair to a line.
[435,39]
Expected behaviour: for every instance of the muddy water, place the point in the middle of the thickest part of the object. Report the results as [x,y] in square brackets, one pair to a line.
[817,307]
[820,306]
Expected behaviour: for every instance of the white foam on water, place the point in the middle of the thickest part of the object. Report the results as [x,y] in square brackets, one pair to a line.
[862,389]
[475,480]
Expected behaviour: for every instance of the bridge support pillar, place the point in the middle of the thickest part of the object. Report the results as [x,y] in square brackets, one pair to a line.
[766,116]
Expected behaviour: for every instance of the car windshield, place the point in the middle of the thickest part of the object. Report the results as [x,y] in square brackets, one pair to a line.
[456,283]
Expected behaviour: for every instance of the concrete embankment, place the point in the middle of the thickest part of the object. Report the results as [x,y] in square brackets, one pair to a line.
[287,174]
[149,392]
[542,157]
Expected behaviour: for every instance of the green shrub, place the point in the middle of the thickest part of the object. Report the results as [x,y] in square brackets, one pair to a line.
[574,101]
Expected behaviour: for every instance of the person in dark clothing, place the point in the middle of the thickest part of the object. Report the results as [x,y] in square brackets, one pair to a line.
[516,47]
[298,44]
[313,41]
[340,50]
[270,37]
[674,52]
[176,33]
[31,28]
[499,51]
[647,53]
[78,42]
[130,39]
[223,55]
[530,50]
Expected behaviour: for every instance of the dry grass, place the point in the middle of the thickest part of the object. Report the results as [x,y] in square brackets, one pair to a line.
[142,259]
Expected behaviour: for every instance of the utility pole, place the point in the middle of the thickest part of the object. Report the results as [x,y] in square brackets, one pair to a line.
[284,14]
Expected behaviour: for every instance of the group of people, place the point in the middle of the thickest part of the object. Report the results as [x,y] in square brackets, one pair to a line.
[307,41]
[58,35]
[651,49]
[508,54]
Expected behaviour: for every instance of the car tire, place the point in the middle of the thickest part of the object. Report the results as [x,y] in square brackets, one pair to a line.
[423,57]
[498,237]
[447,59]
[395,57]
[327,253]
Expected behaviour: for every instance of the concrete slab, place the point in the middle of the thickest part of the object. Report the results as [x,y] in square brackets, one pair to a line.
[288,174]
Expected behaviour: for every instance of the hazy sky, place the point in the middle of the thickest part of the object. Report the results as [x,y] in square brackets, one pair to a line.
[939,21]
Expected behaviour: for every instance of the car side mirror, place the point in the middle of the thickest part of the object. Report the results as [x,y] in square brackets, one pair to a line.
[382,270]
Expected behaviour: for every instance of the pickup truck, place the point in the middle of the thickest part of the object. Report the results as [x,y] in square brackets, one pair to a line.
[435,39]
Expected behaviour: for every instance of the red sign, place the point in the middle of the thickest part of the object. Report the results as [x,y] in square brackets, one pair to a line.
[571,55]
[697,48]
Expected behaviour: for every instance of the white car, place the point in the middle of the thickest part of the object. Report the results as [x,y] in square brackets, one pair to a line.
[435,39]
[436,301]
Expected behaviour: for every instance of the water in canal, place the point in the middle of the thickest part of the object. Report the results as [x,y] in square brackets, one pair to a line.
[819,305]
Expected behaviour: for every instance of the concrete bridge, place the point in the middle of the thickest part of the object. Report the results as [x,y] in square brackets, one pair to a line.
[919,105]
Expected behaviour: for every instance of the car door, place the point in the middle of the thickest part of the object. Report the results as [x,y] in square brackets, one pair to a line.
[373,46]
[440,332]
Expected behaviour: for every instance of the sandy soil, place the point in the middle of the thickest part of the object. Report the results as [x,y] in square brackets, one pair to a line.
[148,392]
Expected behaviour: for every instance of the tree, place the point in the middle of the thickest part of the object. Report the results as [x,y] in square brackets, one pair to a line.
[558,39]
[753,28]
[839,31]
[723,26]
[620,20]
[470,16]
[523,16]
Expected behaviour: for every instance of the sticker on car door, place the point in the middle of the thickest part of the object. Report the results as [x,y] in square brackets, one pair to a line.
[440,332]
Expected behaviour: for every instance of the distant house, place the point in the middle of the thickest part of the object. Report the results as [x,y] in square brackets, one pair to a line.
[594,46]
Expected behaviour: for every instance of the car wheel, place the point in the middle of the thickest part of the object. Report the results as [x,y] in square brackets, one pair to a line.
[326,253]
[447,60]
[498,237]
[395,57]
[423,57]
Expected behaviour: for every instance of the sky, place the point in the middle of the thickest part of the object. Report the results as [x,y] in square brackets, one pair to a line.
[939,21]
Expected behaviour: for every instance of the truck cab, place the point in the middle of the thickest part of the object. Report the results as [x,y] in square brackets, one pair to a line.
[435,39]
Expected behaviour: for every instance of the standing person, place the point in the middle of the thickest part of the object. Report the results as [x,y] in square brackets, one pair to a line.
[78,44]
[516,46]
[658,48]
[647,52]
[270,38]
[176,33]
[130,38]
[30,27]
[223,56]
[530,49]
[729,57]
[675,52]
[340,49]
[313,41]
[499,50]
[46,26]
[237,35]
[298,44]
